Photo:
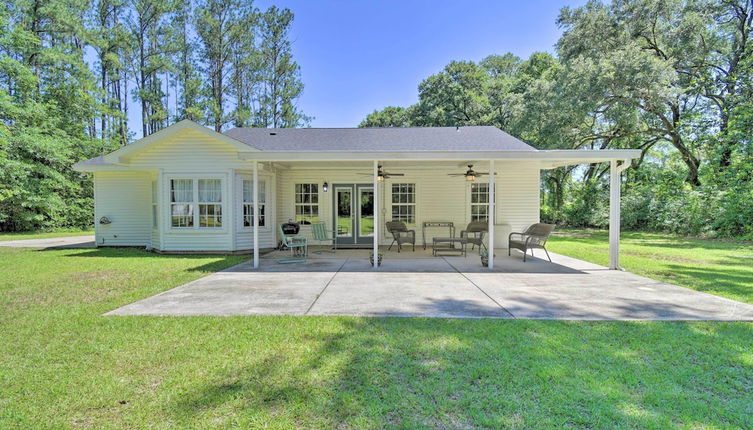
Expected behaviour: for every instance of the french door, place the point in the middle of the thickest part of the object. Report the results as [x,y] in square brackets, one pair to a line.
[353,214]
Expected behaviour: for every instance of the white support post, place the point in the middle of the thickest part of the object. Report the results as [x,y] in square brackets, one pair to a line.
[491,214]
[615,171]
[376,214]
[256,214]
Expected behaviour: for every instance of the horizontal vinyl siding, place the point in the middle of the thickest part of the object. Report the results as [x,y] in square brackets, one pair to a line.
[126,199]
[189,151]
[439,197]
[517,197]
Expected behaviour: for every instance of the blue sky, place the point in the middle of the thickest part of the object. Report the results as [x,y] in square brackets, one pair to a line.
[358,56]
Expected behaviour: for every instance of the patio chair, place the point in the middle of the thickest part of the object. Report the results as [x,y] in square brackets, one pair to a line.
[474,234]
[401,234]
[296,243]
[321,234]
[535,236]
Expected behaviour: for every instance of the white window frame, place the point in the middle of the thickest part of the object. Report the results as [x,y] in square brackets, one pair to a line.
[411,204]
[264,181]
[195,203]
[318,203]
[471,204]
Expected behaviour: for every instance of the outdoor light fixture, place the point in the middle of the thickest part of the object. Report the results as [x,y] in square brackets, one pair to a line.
[380,178]
[325,187]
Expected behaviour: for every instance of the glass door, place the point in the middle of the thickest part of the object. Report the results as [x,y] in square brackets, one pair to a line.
[365,220]
[343,211]
[353,213]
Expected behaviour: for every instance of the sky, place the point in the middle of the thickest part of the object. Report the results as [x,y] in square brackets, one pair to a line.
[360,56]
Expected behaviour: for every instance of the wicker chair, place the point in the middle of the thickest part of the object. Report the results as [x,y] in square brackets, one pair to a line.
[474,234]
[535,236]
[401,234]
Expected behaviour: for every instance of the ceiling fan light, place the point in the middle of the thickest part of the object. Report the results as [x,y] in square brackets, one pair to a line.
[470,177]
[380,178]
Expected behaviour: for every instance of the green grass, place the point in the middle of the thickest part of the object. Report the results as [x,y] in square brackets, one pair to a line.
[44,234]
[63,365]
[723,268]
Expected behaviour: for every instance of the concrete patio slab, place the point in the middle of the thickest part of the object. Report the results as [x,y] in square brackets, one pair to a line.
[53,243]
[416,284]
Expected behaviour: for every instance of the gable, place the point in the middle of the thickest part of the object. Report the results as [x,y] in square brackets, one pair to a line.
[186,150]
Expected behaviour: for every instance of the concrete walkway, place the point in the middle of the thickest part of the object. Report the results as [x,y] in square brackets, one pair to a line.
[53,242]
[416,284]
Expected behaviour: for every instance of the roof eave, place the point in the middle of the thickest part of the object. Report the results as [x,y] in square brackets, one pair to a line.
[566,156]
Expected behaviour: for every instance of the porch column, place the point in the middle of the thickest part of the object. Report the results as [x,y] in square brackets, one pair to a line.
[376,214]
[491,214]
[615,172]
[255,201]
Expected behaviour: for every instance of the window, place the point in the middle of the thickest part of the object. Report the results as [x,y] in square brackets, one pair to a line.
[248,202]
[404,203]
[479,202]
[154,204]
[210,203]
[181,202]
[307,203]
[196,203]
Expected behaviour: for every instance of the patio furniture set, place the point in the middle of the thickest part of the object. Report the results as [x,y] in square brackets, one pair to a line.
[534,237]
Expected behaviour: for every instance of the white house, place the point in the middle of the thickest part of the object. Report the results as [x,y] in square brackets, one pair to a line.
[188,188]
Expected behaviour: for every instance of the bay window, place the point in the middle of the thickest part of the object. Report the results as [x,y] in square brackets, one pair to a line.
[196,203]
[248,203]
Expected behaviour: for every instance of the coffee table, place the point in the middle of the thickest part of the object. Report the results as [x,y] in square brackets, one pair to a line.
[447,244]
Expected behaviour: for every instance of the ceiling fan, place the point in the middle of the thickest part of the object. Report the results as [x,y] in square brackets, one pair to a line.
[381,174]
[470,174]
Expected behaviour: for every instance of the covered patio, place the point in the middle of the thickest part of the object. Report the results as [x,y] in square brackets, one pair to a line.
[418,285]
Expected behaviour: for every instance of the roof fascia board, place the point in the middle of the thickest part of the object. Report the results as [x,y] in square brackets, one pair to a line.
[116,156]
[572,156]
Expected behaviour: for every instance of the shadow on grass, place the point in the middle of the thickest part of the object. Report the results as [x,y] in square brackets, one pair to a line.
[216,262]
[728,282]
[422,373]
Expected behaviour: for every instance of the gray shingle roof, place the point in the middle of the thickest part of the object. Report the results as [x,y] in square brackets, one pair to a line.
[408,139]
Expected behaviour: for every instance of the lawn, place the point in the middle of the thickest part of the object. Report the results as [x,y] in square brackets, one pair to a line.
[723,268]
[43,235]
[63,365]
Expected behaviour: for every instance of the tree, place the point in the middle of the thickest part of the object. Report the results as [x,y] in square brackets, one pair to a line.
[280,78]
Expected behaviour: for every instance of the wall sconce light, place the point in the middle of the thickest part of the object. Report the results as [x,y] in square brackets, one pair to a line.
[325,187]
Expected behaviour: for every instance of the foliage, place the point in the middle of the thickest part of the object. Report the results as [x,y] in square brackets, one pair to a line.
[68,70]
[64,364]
[671,78]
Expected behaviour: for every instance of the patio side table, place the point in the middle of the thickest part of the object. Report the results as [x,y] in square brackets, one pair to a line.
[429,224]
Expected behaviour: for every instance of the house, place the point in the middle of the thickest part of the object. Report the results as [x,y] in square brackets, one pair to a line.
[188,188]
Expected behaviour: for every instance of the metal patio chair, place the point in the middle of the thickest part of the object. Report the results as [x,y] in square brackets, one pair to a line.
[535,236]
[296,243]
[321,234]
[401,235]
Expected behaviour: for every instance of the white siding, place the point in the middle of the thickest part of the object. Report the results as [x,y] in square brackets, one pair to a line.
[188,150]
[439,197]
[124,198]
[191,154]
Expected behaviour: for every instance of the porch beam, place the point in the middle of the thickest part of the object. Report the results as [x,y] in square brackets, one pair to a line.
[615,172]
[255,201]
[491,213]
[376,214]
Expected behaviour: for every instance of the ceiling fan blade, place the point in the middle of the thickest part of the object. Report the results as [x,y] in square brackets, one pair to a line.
[394,174]
[456,174]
